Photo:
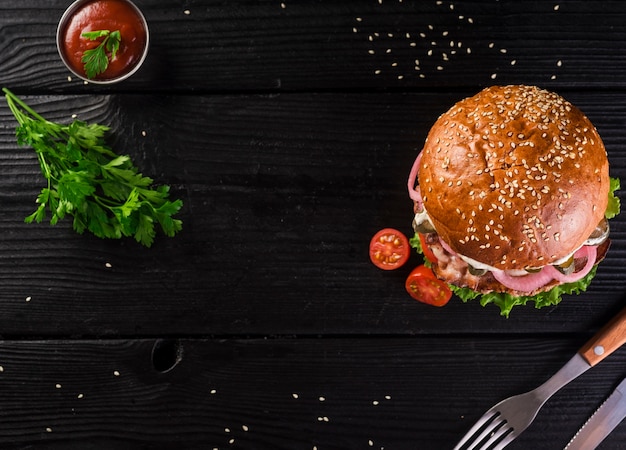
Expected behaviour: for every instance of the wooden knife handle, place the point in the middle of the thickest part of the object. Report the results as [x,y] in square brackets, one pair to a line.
[611,337]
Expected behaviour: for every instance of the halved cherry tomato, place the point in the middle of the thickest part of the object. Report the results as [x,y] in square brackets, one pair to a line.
[389,249]
[424,286]
[428,253]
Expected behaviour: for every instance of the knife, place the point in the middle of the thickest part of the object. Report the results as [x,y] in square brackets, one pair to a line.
[602,422]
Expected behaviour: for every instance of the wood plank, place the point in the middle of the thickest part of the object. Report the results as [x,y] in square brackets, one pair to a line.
[285,393]
[275,45]
[273,242]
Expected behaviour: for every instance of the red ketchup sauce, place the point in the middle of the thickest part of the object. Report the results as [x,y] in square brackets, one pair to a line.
[109,15]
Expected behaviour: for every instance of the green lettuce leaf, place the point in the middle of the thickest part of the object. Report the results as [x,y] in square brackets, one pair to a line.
[613,207]
[417,245]
[506,302]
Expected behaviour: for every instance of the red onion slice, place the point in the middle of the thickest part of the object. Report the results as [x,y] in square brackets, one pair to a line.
[414,191]
[525,283]
[532,281]
[587,251]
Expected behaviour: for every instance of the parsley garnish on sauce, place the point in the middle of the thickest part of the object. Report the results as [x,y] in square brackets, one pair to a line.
[97,59]
[103,191]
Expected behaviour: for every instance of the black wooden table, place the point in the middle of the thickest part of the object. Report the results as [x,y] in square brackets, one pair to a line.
[288,129]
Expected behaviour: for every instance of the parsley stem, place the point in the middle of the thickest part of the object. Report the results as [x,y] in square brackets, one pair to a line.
[12,99]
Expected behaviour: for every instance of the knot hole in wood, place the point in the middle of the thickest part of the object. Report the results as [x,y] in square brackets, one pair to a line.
[166,354]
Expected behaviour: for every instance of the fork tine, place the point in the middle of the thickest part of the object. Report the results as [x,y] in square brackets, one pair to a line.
[480,423]
[506,441]
[494,427]
[496,435]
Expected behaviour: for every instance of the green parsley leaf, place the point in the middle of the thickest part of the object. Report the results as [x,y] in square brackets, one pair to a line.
[96,60]
[103,191]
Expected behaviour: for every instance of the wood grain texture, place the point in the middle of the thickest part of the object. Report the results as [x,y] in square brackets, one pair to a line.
[282,194]
[288,129]
[286,394]
[354,44]
[608,339]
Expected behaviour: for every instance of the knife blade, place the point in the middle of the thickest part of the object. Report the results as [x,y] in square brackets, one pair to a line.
[602,422]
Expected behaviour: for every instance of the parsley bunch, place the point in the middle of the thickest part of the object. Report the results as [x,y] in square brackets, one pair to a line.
[103,191]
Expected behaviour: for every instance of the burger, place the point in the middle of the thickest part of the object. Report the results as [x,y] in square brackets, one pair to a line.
[512,195]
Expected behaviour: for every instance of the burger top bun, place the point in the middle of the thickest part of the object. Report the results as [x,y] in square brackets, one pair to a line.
[514,177]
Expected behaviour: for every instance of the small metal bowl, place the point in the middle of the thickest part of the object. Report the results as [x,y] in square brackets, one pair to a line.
[60,38]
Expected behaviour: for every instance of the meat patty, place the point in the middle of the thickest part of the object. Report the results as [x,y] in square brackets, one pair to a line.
[452,269]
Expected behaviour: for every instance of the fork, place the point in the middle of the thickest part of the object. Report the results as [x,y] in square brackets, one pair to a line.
[505,421]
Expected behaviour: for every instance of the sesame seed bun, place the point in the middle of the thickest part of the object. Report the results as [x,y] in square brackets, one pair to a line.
[514,177]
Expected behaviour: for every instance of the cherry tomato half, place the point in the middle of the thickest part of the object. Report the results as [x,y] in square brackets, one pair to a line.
[389,249]
[428,253]
[424,286]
